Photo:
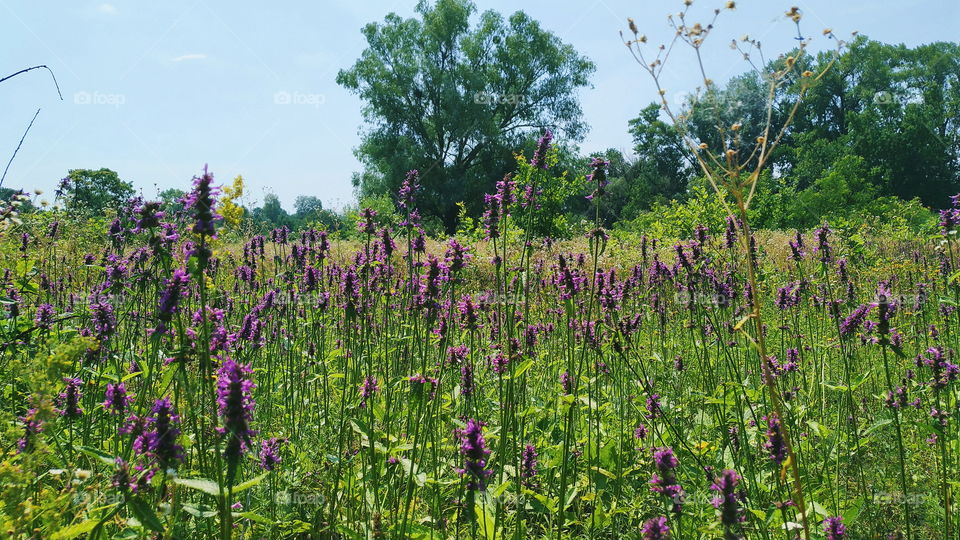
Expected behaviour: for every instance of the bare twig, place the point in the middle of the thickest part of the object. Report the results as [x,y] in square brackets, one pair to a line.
[7,168]
[43,66]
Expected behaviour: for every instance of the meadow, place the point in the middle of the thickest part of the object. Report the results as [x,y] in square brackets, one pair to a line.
[608,350]
[170,378]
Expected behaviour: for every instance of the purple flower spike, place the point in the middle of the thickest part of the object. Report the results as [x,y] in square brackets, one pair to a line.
[728,498]
[834,528]
[270,453]
[539,160]
[656,529]
[117,399]
[235,404]
[473,448]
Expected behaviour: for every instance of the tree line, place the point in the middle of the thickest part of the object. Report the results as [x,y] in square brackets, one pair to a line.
[459,97]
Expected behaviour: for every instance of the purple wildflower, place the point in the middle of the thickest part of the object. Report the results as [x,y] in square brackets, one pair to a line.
[566,381]
[776,445]
[408,190]
[539,160]
[44,317]
[834,528]
[368,389]
[664,480]
[598,176]
[117,399]
[529,463]
[70,398]
[474,450]
[235,404]
[202,200]
[161,440]
[270,453]
[728,498]
[656,529]
[176,287]
[32,425]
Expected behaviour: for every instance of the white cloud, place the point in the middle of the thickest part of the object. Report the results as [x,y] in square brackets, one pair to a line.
[107,9]
[192,56]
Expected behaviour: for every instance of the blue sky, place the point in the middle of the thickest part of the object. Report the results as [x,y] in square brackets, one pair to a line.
[156,90]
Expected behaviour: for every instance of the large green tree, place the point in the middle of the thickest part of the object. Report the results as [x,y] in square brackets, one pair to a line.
[898,108]
[453,100]
[90,192]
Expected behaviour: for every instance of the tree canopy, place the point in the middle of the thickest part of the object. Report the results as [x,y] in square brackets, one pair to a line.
[90,192]
[454,100]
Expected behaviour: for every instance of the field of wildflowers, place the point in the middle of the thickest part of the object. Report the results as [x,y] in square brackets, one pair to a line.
[159,380]
[171,377]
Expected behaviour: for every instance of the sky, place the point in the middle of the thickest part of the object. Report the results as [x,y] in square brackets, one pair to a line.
[156,90]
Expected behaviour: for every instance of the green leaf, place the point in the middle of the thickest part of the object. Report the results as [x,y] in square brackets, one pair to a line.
[249,483]
[99,454]
[486,525]
[199,510]
[255,517]
[145,514]
[523,368]
[74,530]
[200,484]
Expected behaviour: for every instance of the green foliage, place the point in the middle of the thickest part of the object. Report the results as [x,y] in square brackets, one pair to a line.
[454,100]
[881,124]
[897,108]
[88,192]
[677,219]
[307,206]
[171,199]
[271,213]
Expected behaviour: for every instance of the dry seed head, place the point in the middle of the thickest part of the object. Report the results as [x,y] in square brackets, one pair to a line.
[703,146]
[730,153]
[761,139]
[736,127]
[632,25]
[807,73]
[731,5]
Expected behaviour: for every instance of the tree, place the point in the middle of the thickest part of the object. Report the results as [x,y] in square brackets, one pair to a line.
[453,101]
[272,212]
[172,199]
[307,206]
[662,170]
[90,192]
[897,108]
